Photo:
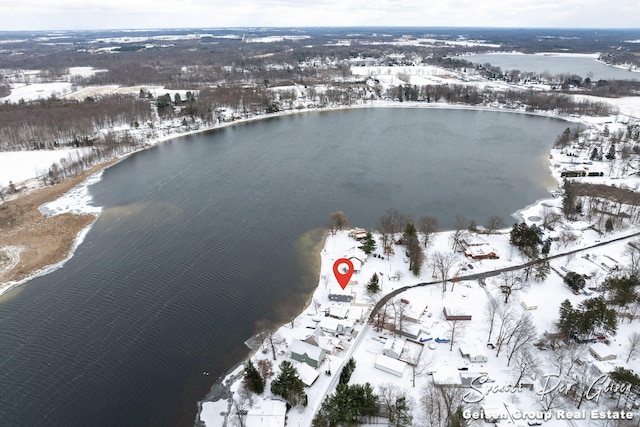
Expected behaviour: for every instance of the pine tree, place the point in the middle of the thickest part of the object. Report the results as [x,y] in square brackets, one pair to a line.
[348,369]
[373,287]
[368,244]
[289,385]
[252,379]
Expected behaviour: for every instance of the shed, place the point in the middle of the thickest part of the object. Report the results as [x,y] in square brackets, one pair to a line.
[601,351]
[411,330]
[304,352]
[392,366]
[481,252]
[456,313]
[268,413]
[393,348]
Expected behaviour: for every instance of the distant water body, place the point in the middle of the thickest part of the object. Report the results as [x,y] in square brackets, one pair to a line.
[200,237]
[555,64]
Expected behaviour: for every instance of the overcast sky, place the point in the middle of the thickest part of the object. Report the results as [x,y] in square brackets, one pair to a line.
[102,14]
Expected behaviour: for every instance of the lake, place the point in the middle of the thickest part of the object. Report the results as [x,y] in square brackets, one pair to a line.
[200,239]
[554,64]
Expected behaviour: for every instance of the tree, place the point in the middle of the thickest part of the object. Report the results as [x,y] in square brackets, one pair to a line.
[493,223]
[442,264]
[490,311]
[632,348]
[373,287]
[252,379]
[542,270]
[455,330]
[368,244]
[289,385]
[632,253]
[347,370]
[265,368]
[395,404]
[347,406]
[442,406]
[427,226]
[608,225]
[510,283]
[594,154]
[526,239]
[576,282]
[338,220]
[416,256]
[459,233]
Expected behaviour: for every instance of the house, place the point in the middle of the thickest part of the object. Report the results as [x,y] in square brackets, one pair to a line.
[601,351]
[339,311]
[341,295]
[358,233]
[474,353]
[456,313]
[304,352]
[480,252]
[392,366]
[336,326]
[393,348]
[357,263]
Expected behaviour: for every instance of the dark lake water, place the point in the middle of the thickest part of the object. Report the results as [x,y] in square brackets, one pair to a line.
[200,238]
[552,64]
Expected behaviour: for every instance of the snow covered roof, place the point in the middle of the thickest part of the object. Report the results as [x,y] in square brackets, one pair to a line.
[268,413]
[301,347]
[601,351]
[447,377]
[388,364]
[306,373]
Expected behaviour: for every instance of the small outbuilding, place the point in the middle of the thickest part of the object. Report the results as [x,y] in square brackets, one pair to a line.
[456,313]
[307,353]
[393,348]
[390,365]
[267,413]
[601,351]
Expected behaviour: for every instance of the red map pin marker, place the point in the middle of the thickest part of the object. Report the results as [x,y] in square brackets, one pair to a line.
[343,277]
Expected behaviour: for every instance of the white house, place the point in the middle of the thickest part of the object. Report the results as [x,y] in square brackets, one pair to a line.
[334,326]
[392,366]
[474,353]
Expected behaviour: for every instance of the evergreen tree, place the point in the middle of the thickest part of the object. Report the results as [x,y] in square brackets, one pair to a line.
[542,271]
[252,379]
[373,287]
[594,154]
[526,239]
[368,244]
[575,281]
[288,385]
[348,369]
[608,225]
[546,248]
[611,154]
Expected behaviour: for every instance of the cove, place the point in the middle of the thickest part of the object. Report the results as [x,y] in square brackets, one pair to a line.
[199,239]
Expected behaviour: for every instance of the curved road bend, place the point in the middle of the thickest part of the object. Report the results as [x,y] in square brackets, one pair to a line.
[485,274]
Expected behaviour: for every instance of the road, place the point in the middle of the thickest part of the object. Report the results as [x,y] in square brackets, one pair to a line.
[492,273]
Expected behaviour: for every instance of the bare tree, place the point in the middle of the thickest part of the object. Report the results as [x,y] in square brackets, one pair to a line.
[521,335]
[632,347]
[526,365]
[395,404]
[490,311]
[456,327]
[443,264]
[510,282]
[441,405]
[494,222]
[459,233]
[549,217]
[418,364]
[338,220]
[632,253]
[427,225]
